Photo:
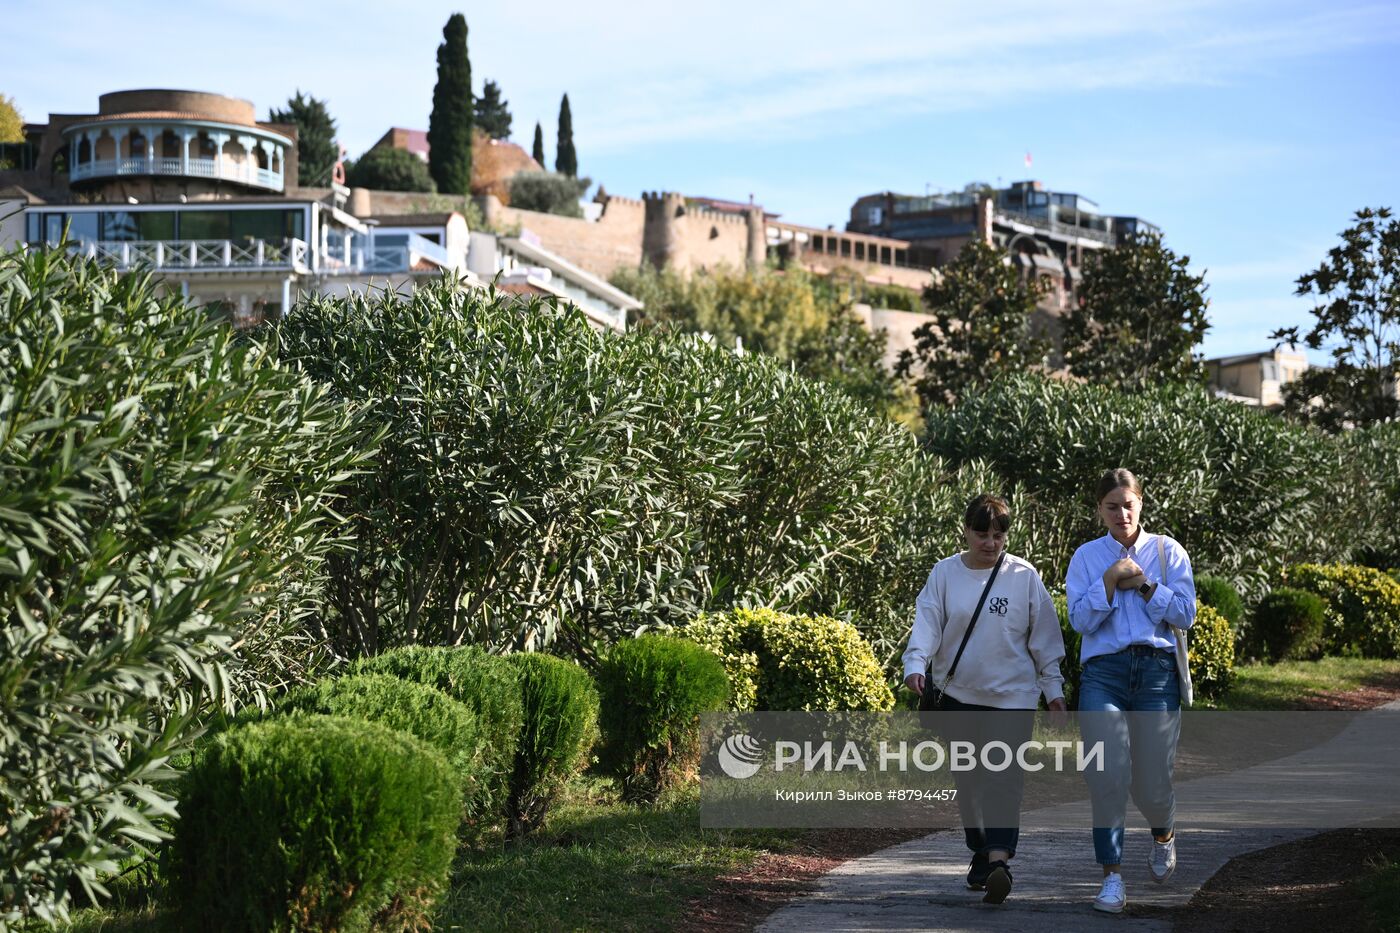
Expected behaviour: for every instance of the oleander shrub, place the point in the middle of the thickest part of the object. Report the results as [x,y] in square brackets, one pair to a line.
[314,823]
[167,500]
[777,661]
[1363,607]
[1374,452]
[486,685]
[560,726]
[652,690]
[1245,492]
[1211,650]
[418,709]
[1289,625]
[1071,666]
[1221,595]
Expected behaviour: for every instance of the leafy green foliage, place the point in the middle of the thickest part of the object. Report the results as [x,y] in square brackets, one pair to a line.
[537,150]
[420,710]
[791,316]
[1288,625]
[1211,648]
[314,823]
[450,122]
[653,689]
[1358,323]
[548,193]
[560,726]
[493,112]
[1221,595]
[1373,454]
[385,168]
[317,149]
[1363,607]
[488,687]
[1071,666]
[1139,317]
[565,158]
[777,661]
[982,309]
[166,505]
[11,123]
[1244,492]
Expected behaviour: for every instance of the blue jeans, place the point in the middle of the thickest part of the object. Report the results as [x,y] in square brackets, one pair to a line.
[1131,702]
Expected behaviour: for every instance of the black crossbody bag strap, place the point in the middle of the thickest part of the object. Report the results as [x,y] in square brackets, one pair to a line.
[973,621]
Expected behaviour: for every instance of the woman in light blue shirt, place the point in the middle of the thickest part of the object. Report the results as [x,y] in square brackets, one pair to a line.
[1126,591]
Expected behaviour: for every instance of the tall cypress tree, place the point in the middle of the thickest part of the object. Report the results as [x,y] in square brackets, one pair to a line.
[565,158]
[317,150]
[450,124]
[492,112]
[538,152]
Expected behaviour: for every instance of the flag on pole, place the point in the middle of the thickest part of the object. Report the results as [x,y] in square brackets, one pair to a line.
[1028,159]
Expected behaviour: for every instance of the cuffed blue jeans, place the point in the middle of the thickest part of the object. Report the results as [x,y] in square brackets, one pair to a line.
[1131,702]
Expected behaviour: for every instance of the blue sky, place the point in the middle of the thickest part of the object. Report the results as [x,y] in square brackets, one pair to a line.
[1249,131]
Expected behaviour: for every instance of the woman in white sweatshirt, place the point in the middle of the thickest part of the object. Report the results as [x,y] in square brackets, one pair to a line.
[1011,659]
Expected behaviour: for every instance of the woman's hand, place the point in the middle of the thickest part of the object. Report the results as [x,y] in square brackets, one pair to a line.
[1059,713]
[1133,582]
[1117,572]
[915,682]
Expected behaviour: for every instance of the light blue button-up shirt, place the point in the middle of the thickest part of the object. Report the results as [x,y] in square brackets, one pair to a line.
[1109,625]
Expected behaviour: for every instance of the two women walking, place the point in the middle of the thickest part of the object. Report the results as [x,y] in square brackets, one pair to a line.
[986,638]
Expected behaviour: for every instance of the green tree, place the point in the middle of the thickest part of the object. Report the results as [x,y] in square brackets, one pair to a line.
[450,123]
[492,112]
[548,192]
[11,123]
[317,150]
[982,309]
[384,168]
[1139,317]
[565,158]
[1358,321]
[538,151]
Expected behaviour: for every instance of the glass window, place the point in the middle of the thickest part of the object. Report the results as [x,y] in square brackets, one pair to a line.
[120,225]
[255,225]
[83,226]
[53,228]
[156,225]
[204,225]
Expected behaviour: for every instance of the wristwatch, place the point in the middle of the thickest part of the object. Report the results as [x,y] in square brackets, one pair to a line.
[1145,589]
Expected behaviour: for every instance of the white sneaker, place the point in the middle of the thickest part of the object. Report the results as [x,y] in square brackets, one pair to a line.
[1162,861]
[1112,898]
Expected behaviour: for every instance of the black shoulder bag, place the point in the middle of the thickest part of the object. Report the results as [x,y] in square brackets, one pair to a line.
[932,698]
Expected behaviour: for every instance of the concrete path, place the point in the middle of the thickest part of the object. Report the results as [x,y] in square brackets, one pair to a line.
[919,885]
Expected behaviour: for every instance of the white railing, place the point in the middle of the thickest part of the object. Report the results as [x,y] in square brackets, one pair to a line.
[222,168]
[198,255]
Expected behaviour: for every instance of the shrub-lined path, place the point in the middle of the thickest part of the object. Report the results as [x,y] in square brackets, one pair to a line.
[918,885]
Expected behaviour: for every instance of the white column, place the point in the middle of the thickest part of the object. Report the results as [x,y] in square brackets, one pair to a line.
[219,140]
[185,137]
[149,132]
[250,162]
[117,136]
[286,295]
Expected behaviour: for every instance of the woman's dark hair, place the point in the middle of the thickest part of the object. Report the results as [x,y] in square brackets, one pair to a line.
[986,512]
[1117,479]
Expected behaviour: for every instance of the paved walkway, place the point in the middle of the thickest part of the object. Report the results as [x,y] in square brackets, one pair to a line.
[919,885]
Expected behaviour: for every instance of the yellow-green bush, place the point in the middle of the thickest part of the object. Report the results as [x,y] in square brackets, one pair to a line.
[778,661]
[1211,648]
[1363,607]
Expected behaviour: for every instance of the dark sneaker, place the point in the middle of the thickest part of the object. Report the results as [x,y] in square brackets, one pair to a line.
[977,872]
[998,883]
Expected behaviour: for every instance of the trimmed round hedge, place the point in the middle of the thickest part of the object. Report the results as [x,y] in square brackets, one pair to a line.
[1211,648]
[314,823]
[560,705]
[1221,595]
[653,689]
[484,683]
[421,711]
[1363,607]
[1289,625]
[777,661]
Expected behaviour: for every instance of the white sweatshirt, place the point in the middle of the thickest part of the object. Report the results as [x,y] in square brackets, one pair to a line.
[1016,647]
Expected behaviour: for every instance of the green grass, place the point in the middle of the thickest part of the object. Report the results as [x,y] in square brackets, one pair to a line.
[1287,685]
[1381,891]
[598,864]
